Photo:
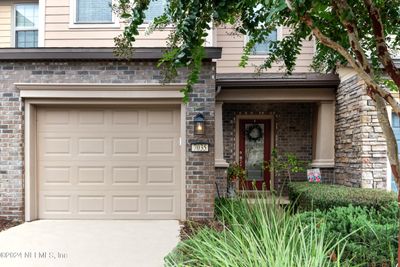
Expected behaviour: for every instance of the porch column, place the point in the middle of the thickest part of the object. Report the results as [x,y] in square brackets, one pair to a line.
[219,138]
[324,142]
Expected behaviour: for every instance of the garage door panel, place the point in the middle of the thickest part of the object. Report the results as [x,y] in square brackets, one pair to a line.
[125,118]
[126,204]
[161,117]
[90,204]
[91,146]
[126,146]
[161,146]
[91,175]
[118,175]
[109,163]
[56,175]
[126,175]
[110,205]
[56,204]
[55,117]
[89,118]
[157,204]
[57,146]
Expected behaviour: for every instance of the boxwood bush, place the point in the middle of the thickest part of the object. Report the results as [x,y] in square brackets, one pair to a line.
[312,196]
[371,236]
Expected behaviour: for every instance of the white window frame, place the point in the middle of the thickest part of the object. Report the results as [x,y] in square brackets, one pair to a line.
[73,24]
[14,27]
[42,18]
[279,37]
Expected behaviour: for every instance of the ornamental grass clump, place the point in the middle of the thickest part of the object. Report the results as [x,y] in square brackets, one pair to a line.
[259,233]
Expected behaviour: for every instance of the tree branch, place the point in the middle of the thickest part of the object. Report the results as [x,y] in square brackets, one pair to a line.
[342,6]
[381,47]
[374,87]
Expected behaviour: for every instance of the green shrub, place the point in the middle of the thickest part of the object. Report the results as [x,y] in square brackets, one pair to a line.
[373,241]
[312,196]
[257,234]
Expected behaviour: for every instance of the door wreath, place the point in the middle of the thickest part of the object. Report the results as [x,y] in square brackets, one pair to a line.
[254,132]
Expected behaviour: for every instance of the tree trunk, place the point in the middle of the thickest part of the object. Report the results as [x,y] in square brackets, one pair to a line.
[393,155]
[376,92]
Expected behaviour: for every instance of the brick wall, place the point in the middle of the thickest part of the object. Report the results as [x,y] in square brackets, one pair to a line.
[200,168]
[11,152]
[328,175]
[293,129]
[360,145]
[221,182]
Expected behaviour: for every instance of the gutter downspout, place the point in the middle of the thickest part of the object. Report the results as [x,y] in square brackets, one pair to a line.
[219,88]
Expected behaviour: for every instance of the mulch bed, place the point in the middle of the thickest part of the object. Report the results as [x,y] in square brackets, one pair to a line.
[190,228]
[6,224]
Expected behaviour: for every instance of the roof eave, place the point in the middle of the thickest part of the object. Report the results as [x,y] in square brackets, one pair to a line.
[89,53]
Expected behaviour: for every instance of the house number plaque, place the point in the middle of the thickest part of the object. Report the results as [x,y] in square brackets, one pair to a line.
[200,147]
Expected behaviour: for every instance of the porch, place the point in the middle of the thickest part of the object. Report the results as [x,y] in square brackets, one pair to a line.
[294,114]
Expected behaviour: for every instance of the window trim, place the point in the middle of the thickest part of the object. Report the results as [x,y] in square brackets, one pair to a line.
[74,24]
[279,37]
[14,27]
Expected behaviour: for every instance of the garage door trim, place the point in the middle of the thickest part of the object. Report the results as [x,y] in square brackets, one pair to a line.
[31,180]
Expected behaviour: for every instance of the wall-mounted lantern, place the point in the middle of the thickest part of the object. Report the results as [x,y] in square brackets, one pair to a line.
[199,124]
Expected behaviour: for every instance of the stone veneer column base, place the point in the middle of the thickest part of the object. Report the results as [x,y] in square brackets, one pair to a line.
[360,145]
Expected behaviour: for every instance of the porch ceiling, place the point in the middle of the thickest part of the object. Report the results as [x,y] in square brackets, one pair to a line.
[277,80]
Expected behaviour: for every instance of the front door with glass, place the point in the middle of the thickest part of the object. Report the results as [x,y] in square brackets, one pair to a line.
[254,151]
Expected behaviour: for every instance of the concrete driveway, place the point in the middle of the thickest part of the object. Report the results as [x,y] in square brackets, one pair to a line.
[89,243]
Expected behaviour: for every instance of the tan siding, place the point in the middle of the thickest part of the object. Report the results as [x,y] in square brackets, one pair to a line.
[57,10]
[93,43]
[57,3]
[5,24]
[63,19]
[58,32]
[232,45]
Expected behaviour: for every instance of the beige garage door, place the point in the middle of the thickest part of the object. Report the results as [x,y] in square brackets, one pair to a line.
[113,163]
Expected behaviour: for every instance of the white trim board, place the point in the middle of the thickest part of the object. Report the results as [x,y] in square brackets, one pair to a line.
[42,23]
[100,91]
[101,86]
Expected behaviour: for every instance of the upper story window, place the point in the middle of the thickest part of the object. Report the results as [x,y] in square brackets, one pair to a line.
[156,8]
[93,11]
[264,48]
[26,25]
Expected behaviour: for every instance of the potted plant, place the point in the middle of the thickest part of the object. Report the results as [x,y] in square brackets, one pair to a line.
[235,173]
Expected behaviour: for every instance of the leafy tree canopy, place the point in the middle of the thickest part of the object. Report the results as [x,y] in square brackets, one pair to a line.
[335,20]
